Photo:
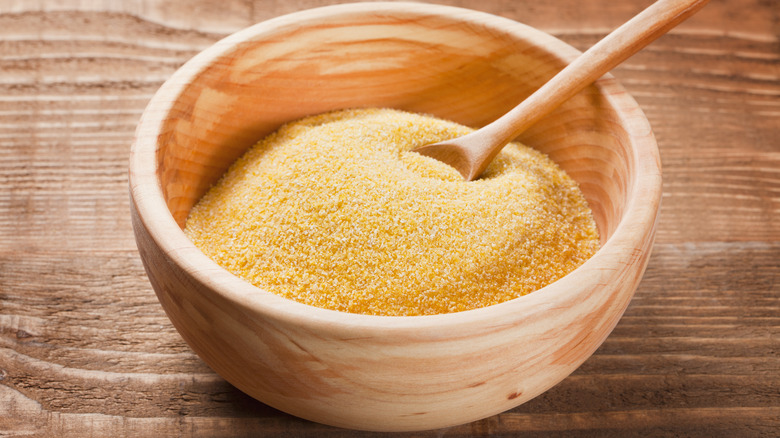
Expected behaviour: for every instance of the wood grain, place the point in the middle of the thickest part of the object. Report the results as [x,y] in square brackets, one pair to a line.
[86,348]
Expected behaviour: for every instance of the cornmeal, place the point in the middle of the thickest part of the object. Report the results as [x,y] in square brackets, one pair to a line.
[335,211]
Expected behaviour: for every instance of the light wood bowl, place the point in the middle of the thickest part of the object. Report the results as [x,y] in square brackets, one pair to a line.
[373,372]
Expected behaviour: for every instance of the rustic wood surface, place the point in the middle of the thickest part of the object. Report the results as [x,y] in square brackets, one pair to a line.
[85,348]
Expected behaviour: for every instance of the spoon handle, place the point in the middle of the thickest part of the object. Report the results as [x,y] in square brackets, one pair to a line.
[616,47]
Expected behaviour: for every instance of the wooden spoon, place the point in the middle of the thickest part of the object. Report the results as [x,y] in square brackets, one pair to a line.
[471,153]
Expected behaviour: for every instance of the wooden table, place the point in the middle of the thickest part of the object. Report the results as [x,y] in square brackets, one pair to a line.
[85,348]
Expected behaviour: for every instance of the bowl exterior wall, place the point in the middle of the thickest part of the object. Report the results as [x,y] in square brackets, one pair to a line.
[390,380]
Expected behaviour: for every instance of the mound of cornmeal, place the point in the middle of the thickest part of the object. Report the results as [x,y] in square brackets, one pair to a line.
[335,211]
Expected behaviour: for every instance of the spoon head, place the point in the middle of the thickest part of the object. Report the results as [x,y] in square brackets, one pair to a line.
[464,153]
[450,154]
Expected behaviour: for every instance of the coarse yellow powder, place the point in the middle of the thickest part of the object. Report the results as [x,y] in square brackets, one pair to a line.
[335,211]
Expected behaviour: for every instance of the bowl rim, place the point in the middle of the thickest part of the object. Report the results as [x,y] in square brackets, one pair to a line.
[638,222]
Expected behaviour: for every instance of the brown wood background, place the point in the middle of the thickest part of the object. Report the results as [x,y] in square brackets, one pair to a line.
[86,350]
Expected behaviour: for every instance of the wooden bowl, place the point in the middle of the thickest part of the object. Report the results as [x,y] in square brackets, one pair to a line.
[374,372]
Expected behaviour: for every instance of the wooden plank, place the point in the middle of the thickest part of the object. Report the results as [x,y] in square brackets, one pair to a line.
[57,339]
[72,157]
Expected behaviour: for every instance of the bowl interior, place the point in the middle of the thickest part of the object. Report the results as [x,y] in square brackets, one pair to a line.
[453,66]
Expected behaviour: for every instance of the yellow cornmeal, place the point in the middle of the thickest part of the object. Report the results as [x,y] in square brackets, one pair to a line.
[335,211]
